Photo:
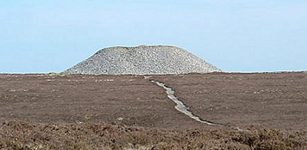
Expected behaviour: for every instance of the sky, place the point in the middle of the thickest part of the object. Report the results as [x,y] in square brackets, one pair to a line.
[41,36]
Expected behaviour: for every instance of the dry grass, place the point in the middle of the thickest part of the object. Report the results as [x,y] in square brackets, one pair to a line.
[23,136]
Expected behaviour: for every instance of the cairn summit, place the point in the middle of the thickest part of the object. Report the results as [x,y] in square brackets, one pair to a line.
[142,60]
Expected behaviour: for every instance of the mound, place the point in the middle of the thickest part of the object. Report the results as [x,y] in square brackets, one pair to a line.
[142,60]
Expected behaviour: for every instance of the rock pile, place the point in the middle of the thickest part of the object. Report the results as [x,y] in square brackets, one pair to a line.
[142,60]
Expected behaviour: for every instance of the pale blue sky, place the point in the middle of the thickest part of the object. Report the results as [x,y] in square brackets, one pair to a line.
[235,35]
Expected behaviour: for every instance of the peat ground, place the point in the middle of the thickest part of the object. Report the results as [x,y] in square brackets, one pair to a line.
[115,112]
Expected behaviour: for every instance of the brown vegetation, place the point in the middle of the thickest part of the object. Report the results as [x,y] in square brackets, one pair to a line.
[21,135]
[129,112]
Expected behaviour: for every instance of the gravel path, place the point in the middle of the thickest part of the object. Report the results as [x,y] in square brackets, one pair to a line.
[142,60]
[179,104]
